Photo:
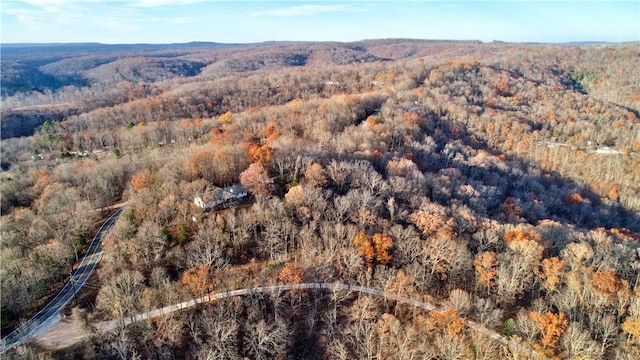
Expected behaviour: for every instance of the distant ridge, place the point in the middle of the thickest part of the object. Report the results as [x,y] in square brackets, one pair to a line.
[80,46]
[588,43]
[25,48]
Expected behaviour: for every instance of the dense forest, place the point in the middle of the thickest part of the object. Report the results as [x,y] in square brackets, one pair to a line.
[497,181]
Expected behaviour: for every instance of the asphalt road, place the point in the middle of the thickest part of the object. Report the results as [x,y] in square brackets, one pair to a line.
[50,313]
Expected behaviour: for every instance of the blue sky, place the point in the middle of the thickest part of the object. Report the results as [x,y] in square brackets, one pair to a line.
[176,21]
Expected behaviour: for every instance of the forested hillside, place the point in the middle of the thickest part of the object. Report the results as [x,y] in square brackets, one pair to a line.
[499,181]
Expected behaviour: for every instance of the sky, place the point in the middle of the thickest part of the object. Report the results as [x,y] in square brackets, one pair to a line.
[180,21]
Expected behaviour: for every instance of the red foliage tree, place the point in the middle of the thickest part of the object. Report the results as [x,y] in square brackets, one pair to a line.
[256,180]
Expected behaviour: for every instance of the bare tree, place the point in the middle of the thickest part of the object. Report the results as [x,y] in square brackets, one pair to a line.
[577,343]
[487,313]
[208,247]
[264,340]
[460,300]
[120,296]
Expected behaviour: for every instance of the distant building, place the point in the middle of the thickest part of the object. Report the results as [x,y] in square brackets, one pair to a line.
[553,144]
[608,150]
[220,197]
[417,109]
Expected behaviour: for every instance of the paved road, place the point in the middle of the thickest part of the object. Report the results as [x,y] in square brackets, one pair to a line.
[515,346]
[49,314]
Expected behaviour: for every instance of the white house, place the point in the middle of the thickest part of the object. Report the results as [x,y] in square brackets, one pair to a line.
[608,150]
[220,196]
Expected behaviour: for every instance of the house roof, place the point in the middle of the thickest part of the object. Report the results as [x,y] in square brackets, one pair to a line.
[221,195]
[236,189]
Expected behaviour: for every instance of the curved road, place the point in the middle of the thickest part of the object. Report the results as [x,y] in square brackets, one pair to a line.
[49,314]
[515,346]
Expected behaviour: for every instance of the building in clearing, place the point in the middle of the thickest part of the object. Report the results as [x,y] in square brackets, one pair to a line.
[220,197]
[608,151]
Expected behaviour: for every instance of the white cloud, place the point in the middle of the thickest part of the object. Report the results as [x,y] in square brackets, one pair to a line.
[157,3]
[57,4]
[304,10]
[67,20]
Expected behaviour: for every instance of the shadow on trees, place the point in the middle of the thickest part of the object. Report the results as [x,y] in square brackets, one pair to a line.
[539,194]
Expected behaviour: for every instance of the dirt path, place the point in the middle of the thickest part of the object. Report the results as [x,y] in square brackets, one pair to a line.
[68,333]
[63,334]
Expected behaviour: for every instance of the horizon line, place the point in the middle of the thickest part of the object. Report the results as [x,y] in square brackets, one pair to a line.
[312,42]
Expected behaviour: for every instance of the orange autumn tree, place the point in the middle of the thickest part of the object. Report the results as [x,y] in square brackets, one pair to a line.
[42,178]
[486,265]
[607,282]
[550,272]
[609,288]
[226,118]
[551,325]
[631,326]
[142,179]
[364,247]
[383,243]
[574,198]
[446,320]
[198,279]
[375,249]
[270,131]
[614,192]
[262,154]
[291,274]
